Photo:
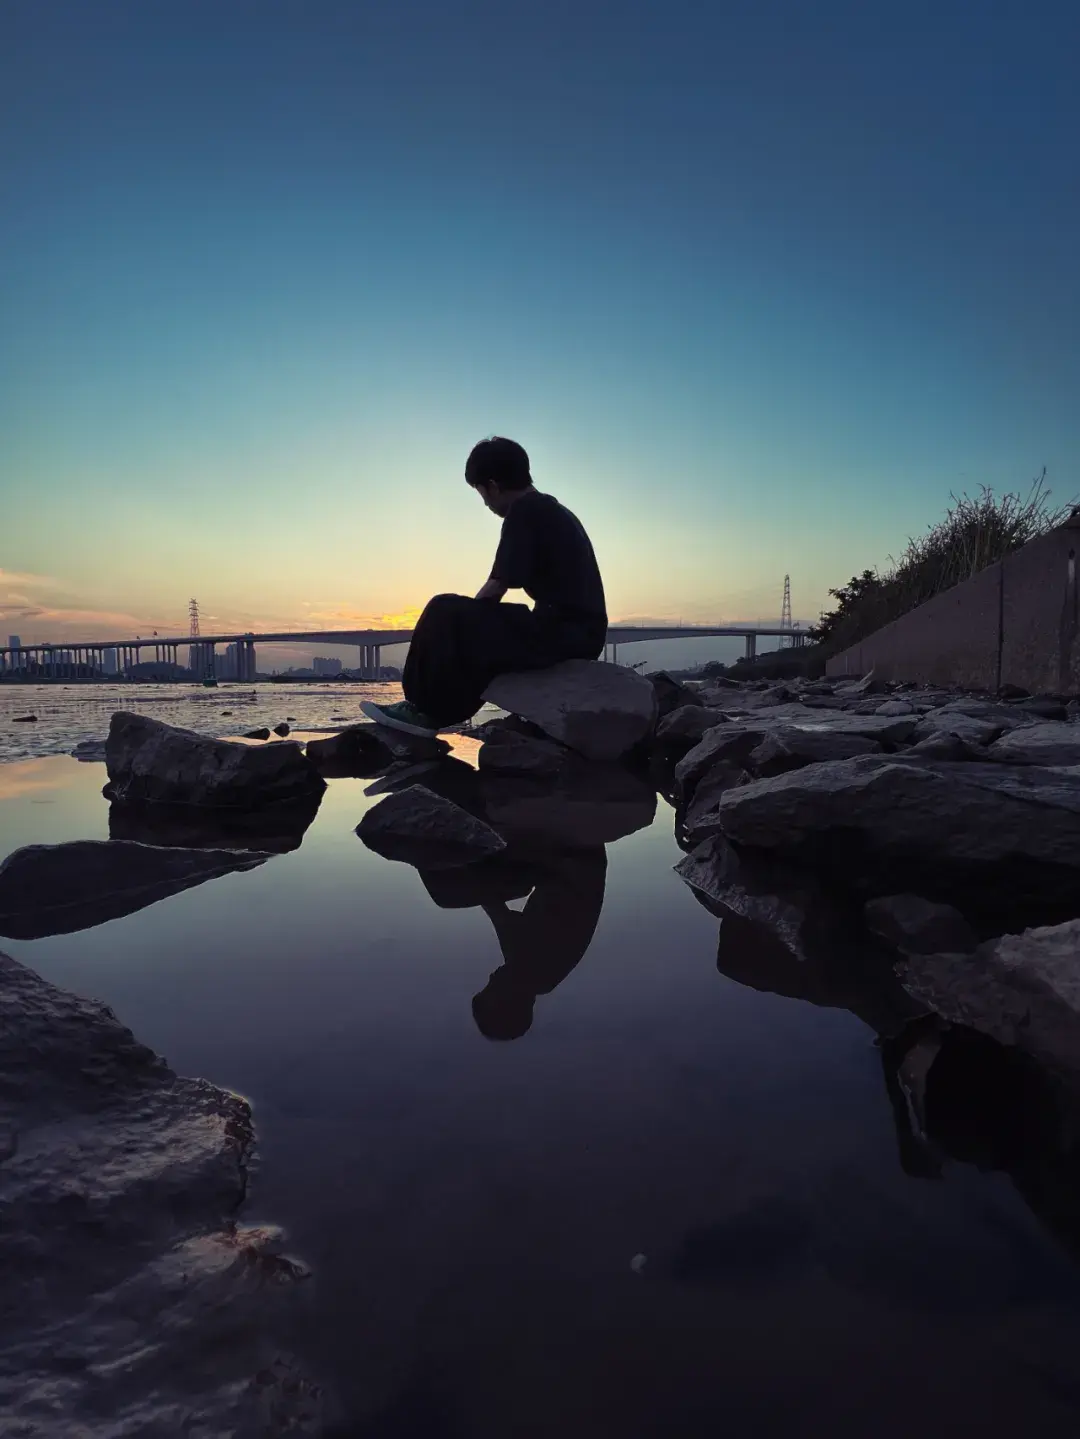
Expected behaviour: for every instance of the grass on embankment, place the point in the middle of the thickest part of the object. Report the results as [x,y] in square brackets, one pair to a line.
[973,534]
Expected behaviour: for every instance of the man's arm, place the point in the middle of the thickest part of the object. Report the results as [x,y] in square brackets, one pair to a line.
[491,589]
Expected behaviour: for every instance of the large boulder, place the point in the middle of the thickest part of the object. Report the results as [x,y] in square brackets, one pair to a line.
[670,694]
[700,816]
[1006,838]
[1049,743]
[60,888]
[153,763]
[422,828]
[600,710]
[1021,989]
[728,745]
[687,725]
[767,893]
[134,1302]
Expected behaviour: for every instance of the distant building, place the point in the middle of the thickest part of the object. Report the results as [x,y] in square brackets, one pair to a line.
[323,665]
[110,662]
[15,662]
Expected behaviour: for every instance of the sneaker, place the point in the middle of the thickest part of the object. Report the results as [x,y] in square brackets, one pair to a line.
[402,716]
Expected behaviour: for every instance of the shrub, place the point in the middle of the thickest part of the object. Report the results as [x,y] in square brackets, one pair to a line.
[973,534]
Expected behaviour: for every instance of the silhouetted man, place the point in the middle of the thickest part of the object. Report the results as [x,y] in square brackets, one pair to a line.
[461,644]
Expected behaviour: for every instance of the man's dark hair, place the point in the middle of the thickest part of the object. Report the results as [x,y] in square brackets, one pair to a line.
[499,462]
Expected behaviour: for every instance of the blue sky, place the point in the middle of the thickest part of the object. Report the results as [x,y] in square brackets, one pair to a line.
[756,284]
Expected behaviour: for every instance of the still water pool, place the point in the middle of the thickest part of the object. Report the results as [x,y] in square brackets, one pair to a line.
[673,1206]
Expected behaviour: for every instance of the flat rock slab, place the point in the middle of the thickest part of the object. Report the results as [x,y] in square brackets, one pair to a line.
[124,1265]
[973,731]
[888,729]
[60,888]
[424,829]
[1011,834]
[789,747]
[154,763]
[1021,989]
[1047,743]
[601,711]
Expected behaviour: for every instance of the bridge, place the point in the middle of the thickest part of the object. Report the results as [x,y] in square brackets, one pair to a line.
[95,658]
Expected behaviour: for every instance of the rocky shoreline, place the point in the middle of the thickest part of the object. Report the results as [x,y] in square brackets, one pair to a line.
[911,854]
[134,1299]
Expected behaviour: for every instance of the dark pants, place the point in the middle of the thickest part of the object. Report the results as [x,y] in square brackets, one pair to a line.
[460,645]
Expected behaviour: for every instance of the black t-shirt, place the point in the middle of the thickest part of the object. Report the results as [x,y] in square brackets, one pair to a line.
[545,551]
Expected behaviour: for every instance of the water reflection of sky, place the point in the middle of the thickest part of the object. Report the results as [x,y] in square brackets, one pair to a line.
[471,1208]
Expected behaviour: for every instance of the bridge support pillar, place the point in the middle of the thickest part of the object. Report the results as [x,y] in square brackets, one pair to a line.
[751,647]
[376,655]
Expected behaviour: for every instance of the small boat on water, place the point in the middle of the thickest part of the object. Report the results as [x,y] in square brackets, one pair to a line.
[210,683]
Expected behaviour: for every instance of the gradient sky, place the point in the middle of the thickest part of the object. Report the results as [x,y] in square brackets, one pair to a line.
[756,284]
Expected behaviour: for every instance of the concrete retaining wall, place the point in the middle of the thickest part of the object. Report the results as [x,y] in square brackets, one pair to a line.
[1014,623]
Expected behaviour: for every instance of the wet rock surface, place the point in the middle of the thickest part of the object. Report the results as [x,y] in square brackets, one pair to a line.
[364,750]
[415,821]
[59,888]
[688,724]
[602,711]
[1020,989]
[135,1302]
[945,819]
[672,694]
[153,763]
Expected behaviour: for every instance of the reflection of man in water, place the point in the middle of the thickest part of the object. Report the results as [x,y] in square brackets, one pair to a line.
[543,942]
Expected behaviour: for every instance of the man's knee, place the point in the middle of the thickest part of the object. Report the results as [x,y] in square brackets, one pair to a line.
[443,603]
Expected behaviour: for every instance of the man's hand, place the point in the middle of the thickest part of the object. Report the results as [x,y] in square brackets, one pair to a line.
[491,589]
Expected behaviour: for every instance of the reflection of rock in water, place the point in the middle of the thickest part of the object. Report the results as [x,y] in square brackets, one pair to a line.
[584,806]
[60,888]
[555,830]
[415,825]
[955,1094]
[275,829]
[782,933]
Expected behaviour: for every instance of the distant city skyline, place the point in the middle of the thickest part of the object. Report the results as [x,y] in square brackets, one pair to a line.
[757,286]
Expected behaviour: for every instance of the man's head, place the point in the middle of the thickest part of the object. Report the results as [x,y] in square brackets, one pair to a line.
[498,470]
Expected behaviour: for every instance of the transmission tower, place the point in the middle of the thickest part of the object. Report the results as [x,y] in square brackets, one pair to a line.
[787,639]
[195,650]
